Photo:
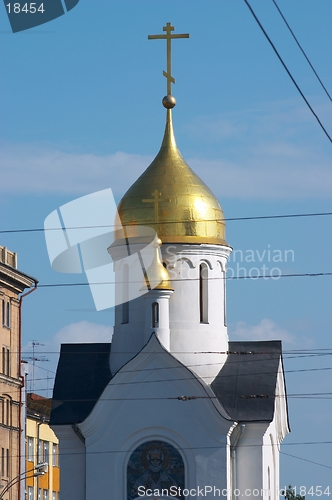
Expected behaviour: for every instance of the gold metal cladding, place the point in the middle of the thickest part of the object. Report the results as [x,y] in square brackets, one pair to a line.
[173,200]
[156,200]
[168,37]
[156,276]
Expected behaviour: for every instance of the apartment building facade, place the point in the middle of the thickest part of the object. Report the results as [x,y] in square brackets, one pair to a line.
[12,284]
[41,447]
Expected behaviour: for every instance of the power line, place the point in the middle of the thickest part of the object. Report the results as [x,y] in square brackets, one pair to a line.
[193,397]
[255,277]
[202,377]
[306,460]
[131,450]
[287,70]
[110,226]
[302,50]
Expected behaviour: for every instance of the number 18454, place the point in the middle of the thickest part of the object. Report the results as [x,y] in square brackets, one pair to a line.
[28,8]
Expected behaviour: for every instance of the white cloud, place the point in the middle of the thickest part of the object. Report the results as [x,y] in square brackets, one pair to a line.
[265,330]
[81,333]
[271,151]
[34,168]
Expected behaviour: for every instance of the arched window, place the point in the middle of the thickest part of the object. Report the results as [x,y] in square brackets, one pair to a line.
[155,315]
[8,315]
[224,280]
[125,294]
[203,293]
[3,313]
[155,465]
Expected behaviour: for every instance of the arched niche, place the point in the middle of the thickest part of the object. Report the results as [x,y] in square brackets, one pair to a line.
[155,465]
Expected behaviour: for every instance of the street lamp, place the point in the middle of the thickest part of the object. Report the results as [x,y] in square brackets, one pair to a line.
[38,470]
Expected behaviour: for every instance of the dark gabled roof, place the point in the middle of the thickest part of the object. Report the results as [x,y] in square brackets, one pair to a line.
[246,384]
[82,374]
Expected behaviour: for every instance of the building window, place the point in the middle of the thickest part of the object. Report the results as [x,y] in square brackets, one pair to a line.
[7,463]
[53,495]
[54,455]
[31,446]
[5,361]
[125,294]
[39,494]
[8,412]
[3,313]
[31,495]
[40,452]
[6,313]
[203,293]
[46,457]
[2,461]
[155,315]
[224,278]
[45,496]
[2,410]
[8,363]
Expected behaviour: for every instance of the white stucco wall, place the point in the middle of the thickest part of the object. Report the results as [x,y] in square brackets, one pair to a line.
[140,404]
[72,463]
[201,346]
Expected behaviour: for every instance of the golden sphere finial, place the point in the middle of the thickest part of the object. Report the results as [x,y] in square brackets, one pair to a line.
[156,243]
[169,101]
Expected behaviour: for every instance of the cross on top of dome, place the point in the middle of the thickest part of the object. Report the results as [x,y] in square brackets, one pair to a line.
[168,36]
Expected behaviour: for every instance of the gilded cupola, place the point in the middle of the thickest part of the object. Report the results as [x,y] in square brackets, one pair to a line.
[169,197]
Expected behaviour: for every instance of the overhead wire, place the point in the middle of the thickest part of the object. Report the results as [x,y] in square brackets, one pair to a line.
[306,460]
[226,219]
[245,277]
[287,70]
[131,450]
[301,48]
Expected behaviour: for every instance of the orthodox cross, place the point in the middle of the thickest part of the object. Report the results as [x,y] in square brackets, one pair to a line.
[168,36]
[156,200]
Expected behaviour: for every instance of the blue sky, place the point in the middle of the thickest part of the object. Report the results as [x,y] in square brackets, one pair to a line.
[81,111]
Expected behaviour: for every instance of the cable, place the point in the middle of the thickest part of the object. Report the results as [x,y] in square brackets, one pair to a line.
[305,55]
[318,395]
[258,217]
[259,276]
[306,460]
[188,378]
[287,70]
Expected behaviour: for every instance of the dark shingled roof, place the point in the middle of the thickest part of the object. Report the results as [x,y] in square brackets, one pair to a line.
[83,373]
[246,384]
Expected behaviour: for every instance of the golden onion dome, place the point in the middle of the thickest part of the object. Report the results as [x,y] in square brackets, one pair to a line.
[173,200]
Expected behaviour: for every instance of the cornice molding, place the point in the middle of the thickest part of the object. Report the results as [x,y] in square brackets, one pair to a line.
[15,279]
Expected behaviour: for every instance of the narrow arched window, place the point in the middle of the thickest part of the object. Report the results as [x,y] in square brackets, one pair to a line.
[203,293]
[224,280]
[3,313]
[8,315]
[125,294]
[155,315]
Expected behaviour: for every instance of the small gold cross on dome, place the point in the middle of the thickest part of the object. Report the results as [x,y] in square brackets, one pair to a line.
[168,37]
[156,200]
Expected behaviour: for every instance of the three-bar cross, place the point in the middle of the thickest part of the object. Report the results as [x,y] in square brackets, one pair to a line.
[168,36]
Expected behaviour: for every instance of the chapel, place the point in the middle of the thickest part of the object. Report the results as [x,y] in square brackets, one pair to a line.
[170,408]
